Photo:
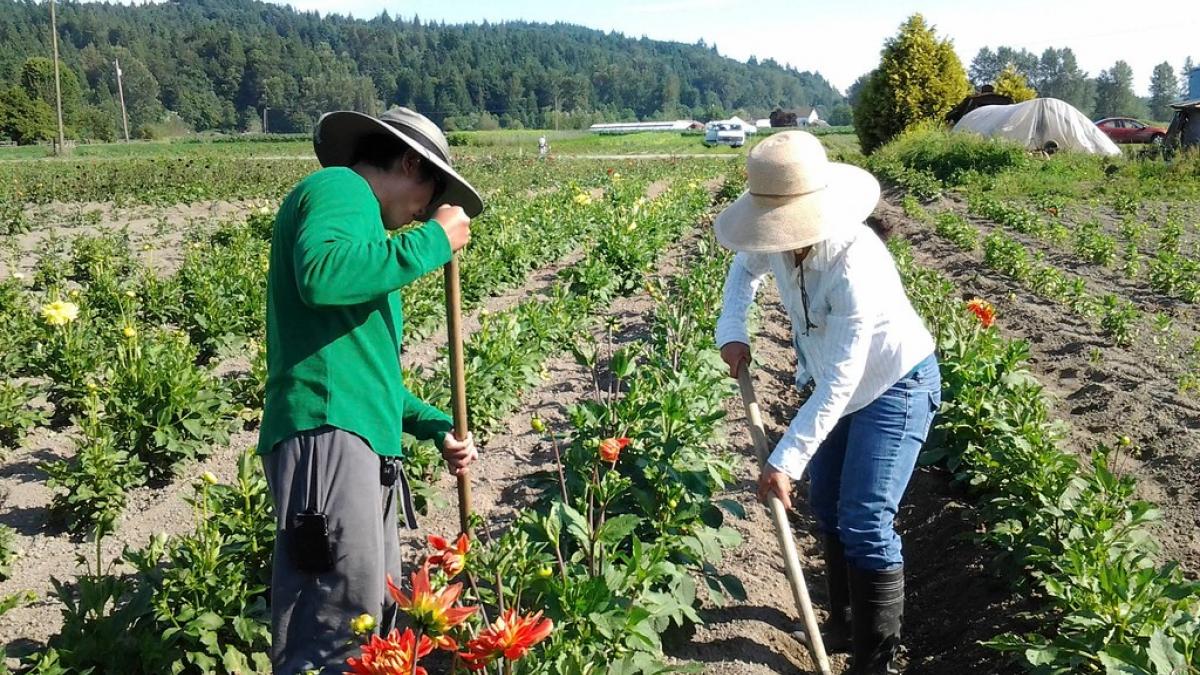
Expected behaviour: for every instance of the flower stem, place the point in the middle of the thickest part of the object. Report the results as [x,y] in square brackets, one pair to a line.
[562,566]
[499,592]
[416,650]
[475,589]
[562,477]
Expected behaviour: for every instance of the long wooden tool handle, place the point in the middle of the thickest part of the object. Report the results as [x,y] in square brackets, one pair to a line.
[783,529]
[458,382]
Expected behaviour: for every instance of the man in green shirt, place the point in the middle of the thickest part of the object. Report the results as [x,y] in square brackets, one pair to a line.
[336,403]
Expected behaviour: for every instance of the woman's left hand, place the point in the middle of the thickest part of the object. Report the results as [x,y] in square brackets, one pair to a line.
[773,482]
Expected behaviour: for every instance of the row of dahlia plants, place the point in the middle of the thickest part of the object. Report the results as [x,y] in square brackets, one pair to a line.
[624,539]
[1068,530]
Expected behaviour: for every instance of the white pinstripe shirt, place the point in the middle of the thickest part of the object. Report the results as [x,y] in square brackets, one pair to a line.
[867,334]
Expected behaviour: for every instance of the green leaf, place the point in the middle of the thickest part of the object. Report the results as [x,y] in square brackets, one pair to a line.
[576,524]
[1054,587]
[262,662]
[623,362]
[732,507]
[209,620]
[614,530]
[1041,656]
[234,661]
[194,427]
[1114,666]
[1163,655]
[729,537]
[642,634]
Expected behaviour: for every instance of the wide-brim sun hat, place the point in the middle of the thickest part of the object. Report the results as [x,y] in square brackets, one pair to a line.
[795,197]
[338,134]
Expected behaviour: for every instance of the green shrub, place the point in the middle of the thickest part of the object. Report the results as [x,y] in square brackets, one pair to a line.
[919,78]
[952,158]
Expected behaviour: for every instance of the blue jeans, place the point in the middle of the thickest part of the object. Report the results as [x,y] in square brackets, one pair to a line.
[859,474]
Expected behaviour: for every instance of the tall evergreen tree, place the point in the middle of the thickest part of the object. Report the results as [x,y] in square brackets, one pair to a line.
[919,78]
[1058,76]
[987,65]
[1114,93]
[1164,89]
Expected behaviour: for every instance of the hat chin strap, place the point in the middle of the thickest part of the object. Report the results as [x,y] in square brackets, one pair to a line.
[791,194]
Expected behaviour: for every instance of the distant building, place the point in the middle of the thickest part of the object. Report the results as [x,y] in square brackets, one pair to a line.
[797,117]
[634,127]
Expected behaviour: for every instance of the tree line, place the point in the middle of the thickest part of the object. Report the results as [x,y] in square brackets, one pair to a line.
[1056,74]
[920,79]
[230,65]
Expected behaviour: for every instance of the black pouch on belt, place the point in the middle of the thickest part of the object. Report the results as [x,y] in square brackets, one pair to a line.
[308,536]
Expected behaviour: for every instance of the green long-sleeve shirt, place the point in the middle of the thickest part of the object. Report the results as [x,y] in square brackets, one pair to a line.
[334,320]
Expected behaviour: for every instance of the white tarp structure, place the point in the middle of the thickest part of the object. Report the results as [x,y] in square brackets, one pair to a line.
[1037,122]
[738,122]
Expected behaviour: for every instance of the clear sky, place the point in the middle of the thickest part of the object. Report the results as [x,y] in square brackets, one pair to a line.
[842,39]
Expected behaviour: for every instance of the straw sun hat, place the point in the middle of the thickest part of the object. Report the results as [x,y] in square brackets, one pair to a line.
[338,134]
[795,197]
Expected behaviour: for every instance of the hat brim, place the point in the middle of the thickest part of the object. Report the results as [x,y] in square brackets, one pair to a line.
[338,133]
[758,224]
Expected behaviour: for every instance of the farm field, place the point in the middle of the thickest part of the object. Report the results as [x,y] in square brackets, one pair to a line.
[1096,263]
[590,289]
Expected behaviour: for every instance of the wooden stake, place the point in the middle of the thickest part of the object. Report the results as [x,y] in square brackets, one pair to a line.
[783,529]
[458,383]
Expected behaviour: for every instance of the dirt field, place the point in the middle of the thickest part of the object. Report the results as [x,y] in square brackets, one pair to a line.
[1101,391]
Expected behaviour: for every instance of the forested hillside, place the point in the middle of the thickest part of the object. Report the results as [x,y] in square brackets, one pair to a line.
[216,64]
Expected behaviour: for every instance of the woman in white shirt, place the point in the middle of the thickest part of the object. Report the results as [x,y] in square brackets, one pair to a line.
[870,357]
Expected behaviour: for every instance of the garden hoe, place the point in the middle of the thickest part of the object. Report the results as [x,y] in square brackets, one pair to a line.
[458,383]
[783,529]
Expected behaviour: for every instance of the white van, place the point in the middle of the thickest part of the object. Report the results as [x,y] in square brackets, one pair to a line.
[723,133]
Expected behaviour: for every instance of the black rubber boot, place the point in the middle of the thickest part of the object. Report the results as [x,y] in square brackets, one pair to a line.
[836,631]
[837,584]
[877,607]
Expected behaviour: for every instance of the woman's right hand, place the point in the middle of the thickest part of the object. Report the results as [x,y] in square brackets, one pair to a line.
[735,355]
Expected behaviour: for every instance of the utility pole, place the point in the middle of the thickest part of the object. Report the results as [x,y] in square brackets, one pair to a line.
[265,109]
[61,148]
[121,95]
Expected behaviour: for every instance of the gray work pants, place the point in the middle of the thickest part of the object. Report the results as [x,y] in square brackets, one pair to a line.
[338,473]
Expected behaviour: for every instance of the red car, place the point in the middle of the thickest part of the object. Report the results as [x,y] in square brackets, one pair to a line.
[1129,130]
